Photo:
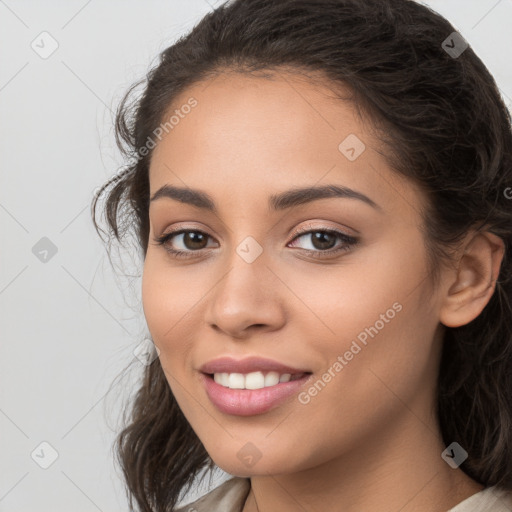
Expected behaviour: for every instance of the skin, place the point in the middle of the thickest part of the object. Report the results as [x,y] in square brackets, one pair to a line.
[370,439]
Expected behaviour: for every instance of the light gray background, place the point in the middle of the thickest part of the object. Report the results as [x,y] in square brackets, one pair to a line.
[69,325]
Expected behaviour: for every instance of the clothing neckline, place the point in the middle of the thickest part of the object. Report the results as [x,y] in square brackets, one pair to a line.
[232,495]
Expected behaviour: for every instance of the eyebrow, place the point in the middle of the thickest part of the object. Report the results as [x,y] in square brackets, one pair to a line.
[282,201]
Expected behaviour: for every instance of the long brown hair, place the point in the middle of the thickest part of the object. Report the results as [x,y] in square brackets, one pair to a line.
[443,124]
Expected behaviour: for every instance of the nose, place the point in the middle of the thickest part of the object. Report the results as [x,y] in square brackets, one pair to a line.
[246,298]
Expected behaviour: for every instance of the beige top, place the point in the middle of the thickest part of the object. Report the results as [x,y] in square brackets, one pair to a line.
[231,495]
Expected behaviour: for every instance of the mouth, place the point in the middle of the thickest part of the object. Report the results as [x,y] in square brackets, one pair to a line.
[253,393]
[254,380]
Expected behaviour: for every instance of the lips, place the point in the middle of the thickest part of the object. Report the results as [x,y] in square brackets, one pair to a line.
[252,399]
[250,364]
[250,402]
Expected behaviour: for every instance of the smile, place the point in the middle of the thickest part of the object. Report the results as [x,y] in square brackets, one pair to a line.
[246,401]
[253,380]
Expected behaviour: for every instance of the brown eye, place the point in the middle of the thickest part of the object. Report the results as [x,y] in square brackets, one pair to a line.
[194,239]
[183,243]
[187,240]
[323,241]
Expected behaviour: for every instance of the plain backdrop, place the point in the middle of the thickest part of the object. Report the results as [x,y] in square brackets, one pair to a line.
[69,322]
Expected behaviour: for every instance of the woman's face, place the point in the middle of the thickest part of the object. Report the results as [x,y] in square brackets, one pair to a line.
[355,310]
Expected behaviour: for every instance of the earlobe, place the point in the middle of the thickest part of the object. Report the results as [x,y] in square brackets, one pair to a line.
[475,279]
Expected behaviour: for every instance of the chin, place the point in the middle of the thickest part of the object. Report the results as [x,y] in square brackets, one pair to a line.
[264,465]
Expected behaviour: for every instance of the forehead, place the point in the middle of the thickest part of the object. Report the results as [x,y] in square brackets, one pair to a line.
[240,107]
[264,132]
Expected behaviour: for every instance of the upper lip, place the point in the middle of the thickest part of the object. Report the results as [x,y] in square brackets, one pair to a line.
[249,364]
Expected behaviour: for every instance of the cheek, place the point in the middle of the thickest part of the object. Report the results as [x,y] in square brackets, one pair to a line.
[167,305]
[167,296]
[165,309]
[154,297]
[374,331]
[364,386]
[365,290]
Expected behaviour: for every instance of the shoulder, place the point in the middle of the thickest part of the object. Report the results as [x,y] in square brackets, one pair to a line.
[230,496]
[490,499]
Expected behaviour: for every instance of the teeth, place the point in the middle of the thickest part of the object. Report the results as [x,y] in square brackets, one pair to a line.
[254,380]
[236,381]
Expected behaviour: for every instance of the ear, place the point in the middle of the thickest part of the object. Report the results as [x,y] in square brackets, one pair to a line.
[474,281]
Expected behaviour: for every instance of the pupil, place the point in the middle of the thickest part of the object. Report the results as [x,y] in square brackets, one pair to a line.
[191,238]
[319,240]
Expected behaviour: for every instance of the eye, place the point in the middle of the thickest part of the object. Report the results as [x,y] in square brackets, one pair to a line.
[191,240]
[322,241]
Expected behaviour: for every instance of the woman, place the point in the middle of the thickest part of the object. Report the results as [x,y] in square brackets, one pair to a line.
[321,192]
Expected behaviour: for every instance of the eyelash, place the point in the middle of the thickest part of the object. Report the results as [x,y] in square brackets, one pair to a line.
[349,241]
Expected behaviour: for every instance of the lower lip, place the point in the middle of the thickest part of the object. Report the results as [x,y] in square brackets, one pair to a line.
[248,402]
